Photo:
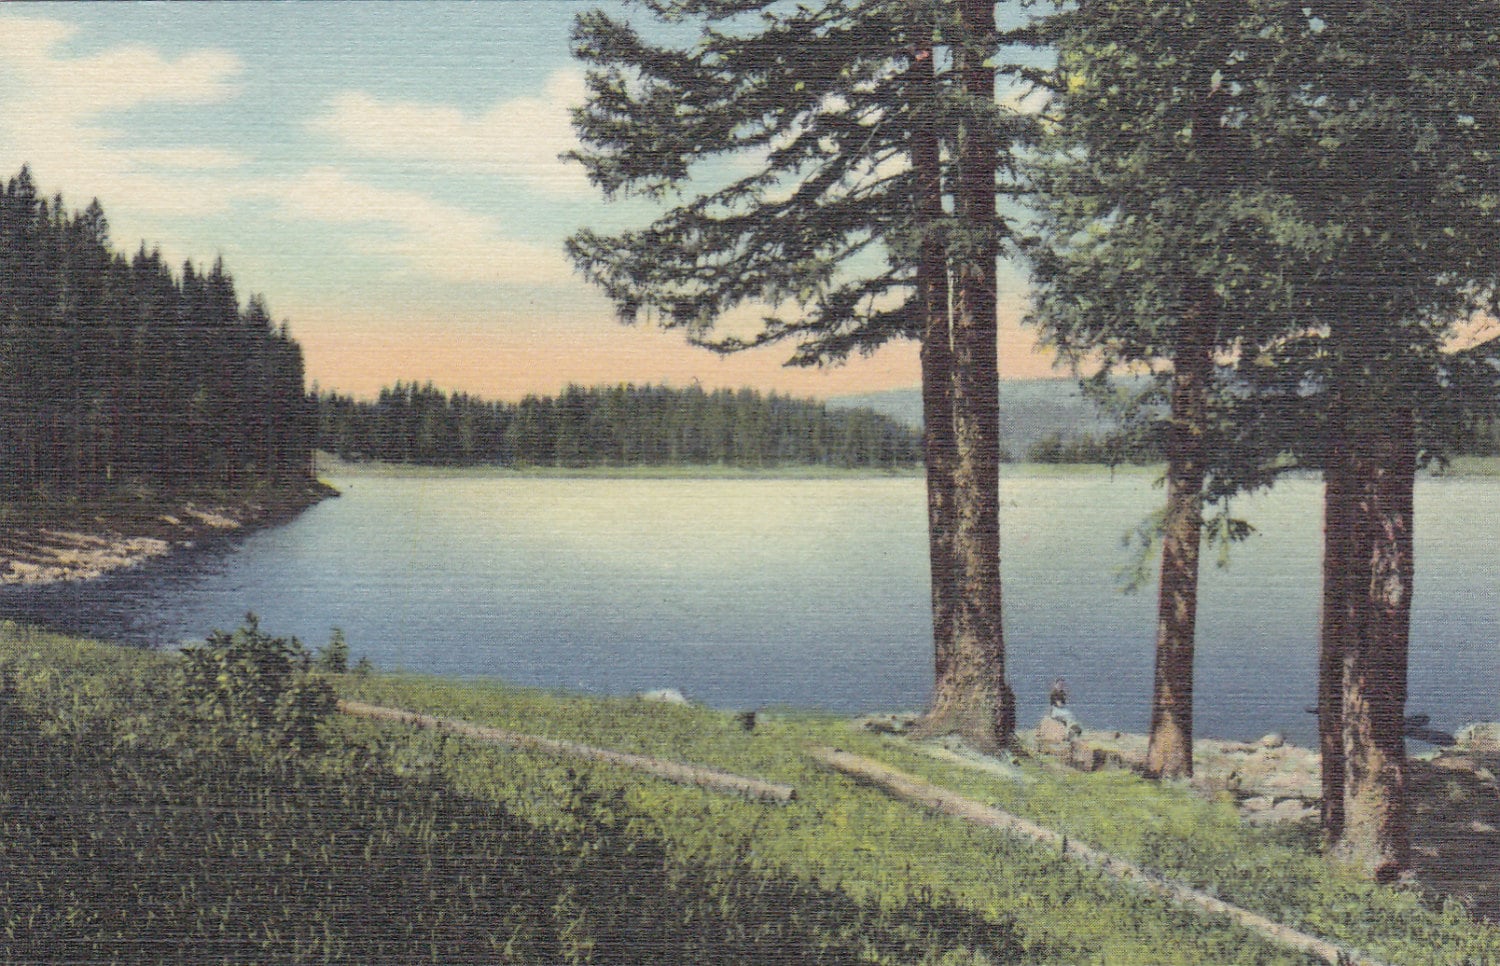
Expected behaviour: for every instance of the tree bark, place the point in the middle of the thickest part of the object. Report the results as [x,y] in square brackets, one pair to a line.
[1169,753]
[971,698]
[938,449]
[1375,836]
[1340,560]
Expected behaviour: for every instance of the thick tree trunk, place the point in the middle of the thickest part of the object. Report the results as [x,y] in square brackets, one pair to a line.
[1170,751]
[1340,561]
[1375,836]
[938,449]
[972,698]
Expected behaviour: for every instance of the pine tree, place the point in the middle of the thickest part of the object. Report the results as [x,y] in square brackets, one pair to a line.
[836,107]
[1395,188]
[112,370]
[1347,230]
[1152,214]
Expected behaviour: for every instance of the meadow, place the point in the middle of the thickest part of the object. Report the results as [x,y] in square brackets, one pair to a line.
[155,812]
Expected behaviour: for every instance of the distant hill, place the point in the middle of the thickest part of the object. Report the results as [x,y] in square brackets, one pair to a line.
[1029,410]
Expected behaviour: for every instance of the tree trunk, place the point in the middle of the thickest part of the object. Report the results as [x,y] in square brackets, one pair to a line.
[1375,837]
[1170,751]
[937,358]
[1340,560]
[972,698]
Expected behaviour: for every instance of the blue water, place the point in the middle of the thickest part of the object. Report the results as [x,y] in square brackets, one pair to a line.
[809,593]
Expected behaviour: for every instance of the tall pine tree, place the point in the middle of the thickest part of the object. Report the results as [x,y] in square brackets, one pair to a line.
[834,112]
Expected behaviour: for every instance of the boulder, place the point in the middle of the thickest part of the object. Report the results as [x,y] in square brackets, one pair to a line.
[1054,737]
[663,696]
[1273,740]
[1257,803]
[1286,810]
[1484,736]
[887,724]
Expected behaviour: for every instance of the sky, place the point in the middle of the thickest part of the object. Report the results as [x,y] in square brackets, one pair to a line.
[385,174]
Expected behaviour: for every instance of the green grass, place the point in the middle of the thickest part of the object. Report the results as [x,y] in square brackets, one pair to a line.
[844,873]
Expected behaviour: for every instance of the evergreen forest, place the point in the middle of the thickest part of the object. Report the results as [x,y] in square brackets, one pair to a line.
[115,369]
[622,425]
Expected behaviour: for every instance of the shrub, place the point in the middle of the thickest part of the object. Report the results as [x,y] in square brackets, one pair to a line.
[334,657]
[248,684]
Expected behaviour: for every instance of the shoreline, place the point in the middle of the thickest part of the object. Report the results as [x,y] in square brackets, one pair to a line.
[84,538]
[1461,468]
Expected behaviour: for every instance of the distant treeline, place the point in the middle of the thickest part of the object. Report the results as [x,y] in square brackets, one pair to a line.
[623,425]
[113,369]
[1111,448]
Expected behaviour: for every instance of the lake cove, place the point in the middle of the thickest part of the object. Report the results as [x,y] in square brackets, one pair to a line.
[764,591]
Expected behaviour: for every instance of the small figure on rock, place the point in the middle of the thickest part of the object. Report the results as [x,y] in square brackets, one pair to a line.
[1058,698]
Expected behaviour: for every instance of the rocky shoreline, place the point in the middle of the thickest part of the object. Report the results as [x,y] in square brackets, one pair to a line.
[1453,792]
[87,539]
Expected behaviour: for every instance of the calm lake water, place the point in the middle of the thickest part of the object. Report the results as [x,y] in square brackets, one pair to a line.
[808,593]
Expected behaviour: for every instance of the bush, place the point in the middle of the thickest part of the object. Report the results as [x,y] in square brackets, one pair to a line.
[248,684]
[334,658]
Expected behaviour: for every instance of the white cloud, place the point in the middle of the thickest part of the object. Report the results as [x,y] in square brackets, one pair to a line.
[66,114]
[54,115]
[111,80]
[428,237]
[519,138]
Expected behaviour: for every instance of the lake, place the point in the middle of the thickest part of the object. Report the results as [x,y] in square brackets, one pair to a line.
[767,592]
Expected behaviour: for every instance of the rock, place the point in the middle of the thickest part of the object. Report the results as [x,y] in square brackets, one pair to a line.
[1086,757]
[1273,740]
[886,724]
[1484,736]
[663,696]
[1432,736]
[1286,810]
[1053,737]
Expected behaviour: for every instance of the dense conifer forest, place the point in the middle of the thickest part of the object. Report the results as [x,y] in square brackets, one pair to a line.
[116,370]
[623,425]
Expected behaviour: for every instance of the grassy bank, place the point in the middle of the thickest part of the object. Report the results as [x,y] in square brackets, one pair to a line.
[377,843]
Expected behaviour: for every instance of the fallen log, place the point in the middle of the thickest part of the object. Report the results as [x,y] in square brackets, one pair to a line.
[682,774]
[947,802]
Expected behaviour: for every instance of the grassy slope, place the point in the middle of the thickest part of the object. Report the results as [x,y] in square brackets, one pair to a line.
[840,847]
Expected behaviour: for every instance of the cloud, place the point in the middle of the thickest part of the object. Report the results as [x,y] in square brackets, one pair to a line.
[430,238]
[519,138]
[55,110]
[111,80]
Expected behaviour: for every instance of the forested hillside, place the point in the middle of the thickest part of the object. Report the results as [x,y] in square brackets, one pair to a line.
[1032,412]
[622,425]
[115,369]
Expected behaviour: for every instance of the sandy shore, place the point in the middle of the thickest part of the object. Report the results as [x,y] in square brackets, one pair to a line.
[86,540]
